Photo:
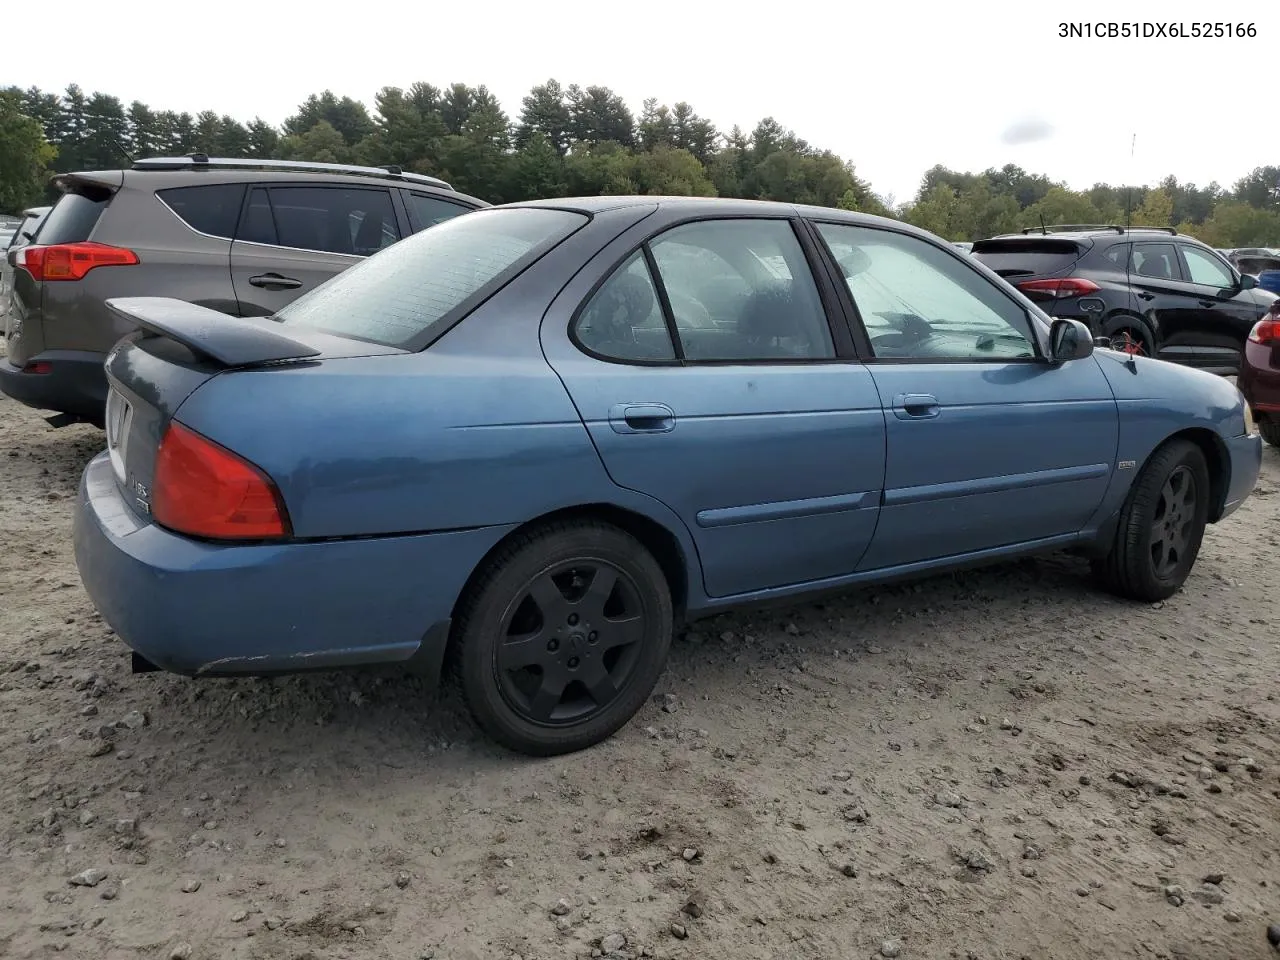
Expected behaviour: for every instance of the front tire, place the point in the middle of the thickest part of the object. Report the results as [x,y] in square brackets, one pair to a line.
[563,637]
[1161,526]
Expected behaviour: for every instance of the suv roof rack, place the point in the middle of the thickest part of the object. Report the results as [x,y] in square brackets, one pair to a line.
[201,161]
[1077,227]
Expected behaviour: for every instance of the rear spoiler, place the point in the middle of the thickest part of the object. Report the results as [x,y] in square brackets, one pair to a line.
[231,341]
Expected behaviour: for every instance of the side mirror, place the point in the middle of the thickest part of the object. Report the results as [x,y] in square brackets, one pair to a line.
[1247,281]
[1069,340]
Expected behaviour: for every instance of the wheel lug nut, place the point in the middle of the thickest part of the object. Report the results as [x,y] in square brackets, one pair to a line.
[553,645]
[573,619]
[592,637]
[573,663]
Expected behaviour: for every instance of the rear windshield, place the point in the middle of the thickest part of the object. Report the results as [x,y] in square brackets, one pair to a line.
[1026,256]
[396,296]
[73,218]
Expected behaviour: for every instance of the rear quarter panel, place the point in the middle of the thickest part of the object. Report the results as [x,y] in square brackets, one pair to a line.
[174,261]
[477,430]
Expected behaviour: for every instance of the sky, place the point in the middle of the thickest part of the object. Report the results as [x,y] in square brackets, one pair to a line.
[895,87]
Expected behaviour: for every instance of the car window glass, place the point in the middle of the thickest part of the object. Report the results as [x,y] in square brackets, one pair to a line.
[919,302]
[1159,261]
[1205,269]
[742,290]
[402,295]
[211,208]
[1117,256]
[432,210]
[73,217]
[258,225]
[354,221]
[623,319]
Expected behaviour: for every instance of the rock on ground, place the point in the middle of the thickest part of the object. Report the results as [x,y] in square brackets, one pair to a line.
[795,753]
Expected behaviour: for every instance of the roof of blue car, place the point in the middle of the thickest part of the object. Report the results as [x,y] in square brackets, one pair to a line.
[720,205]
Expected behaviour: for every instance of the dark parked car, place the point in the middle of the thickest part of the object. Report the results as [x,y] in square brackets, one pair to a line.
[533,438]
[24,232]
[243,237]
[1150,291]
[1260,375]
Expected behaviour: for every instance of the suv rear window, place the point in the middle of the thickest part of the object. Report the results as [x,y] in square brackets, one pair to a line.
[213,208]
[1027,256]
[73,217]
[397,296]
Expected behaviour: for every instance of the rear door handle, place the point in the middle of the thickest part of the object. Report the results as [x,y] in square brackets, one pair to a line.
[642,418]
[1208,303]
[916,406]
[1146,296]
[273,281]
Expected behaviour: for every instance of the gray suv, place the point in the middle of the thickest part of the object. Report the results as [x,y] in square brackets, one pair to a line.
[244,237]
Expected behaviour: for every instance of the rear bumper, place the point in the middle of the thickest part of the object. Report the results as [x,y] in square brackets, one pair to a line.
[1260,378]
[76,383]
[196,608]
[1246,463]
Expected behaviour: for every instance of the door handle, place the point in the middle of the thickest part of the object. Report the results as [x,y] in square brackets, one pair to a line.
[1208,303]
[642,418]
[273,281]
[916,406]
[1146,296]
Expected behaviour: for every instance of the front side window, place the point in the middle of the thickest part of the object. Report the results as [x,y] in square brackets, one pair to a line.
[356,222]
[426,280]
[918,302]
[1207,270]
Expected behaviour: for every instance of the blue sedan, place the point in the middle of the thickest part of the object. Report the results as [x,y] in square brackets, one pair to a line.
[529,441]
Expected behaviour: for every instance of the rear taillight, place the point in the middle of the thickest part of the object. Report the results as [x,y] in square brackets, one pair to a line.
[38,367]
[205,490]
[1265,331]
[1058,289]
[71,261]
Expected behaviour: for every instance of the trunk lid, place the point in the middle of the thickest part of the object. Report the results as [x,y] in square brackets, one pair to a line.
[179,347]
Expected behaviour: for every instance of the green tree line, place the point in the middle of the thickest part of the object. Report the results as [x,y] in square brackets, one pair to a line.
[573,141]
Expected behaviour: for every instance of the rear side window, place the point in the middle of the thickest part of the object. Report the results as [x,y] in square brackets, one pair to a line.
[1158,261]
[212,209]
[431,210]
[356,222]
[397,297]
[73,217]
[1027,256]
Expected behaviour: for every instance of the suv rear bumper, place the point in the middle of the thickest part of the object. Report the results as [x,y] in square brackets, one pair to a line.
[76,383]
[205,609]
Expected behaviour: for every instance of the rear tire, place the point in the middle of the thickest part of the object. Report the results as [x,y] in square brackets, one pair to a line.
[563,637]
[1161,526]
[1270,430]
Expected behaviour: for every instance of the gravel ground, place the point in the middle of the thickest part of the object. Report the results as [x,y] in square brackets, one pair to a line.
[995,765]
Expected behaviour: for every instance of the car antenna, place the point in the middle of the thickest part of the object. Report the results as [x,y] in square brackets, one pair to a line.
[1044,231]
[1128,213]
[123,152]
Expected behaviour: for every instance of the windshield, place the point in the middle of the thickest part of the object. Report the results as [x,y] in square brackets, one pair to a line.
[399,294]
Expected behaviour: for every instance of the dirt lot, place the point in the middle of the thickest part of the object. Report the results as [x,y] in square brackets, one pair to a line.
[995,765]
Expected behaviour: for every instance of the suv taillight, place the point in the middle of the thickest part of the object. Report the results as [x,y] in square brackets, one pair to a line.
[1058,289]
[1265,331]
[205,490]
[71,261]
